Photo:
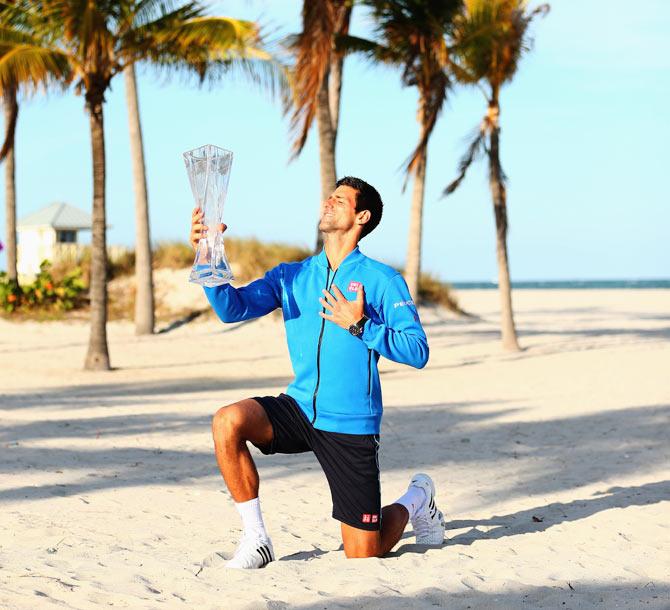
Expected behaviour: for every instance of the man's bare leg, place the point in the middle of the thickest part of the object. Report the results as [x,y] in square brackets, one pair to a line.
[232,427]
[362,543]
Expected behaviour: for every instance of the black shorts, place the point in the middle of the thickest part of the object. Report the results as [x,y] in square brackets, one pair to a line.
[349,461]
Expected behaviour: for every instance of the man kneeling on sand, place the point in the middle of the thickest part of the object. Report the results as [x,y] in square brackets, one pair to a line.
[342,311]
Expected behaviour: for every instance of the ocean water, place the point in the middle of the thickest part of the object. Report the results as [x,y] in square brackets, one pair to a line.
[566,284]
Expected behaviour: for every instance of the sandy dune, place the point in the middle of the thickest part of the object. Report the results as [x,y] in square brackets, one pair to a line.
[552,466]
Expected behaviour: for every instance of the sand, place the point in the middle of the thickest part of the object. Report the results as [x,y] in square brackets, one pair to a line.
[551,465]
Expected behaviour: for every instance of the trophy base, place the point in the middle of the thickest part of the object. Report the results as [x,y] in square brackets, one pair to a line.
[209,277]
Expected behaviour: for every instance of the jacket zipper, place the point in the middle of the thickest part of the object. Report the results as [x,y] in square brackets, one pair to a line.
[318,348]
[369,358]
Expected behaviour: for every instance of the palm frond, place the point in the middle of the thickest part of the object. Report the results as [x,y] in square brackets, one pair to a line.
[32,66]
[346,43]
[268,75]
[204,38]
[144,12]
[414,35]
[209,48]
[432,101]
[322,21]
[490,38]
[476,148]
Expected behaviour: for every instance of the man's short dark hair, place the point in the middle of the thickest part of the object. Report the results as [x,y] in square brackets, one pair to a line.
[367,198]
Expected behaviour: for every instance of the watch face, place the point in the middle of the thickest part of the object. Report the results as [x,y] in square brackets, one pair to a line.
[355,330]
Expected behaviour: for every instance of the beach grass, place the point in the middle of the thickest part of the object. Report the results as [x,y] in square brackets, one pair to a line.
[250,258]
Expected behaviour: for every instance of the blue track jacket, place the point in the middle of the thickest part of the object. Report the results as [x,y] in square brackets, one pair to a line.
[336,378]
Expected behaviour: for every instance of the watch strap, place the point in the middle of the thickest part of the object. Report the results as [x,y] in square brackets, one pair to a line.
[362,321]
[357,329]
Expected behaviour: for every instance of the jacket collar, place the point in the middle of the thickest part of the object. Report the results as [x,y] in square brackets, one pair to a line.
[354,256]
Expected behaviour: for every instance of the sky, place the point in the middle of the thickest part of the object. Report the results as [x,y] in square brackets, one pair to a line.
[584,141]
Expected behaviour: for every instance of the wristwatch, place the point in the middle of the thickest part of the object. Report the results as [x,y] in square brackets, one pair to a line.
[357,329]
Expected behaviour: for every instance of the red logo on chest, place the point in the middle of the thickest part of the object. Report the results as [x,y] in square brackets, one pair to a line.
[354,286]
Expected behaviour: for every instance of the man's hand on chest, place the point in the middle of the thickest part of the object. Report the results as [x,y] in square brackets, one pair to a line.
[341,311]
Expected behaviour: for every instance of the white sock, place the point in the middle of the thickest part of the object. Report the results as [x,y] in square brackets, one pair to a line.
[252,519]
[413,500]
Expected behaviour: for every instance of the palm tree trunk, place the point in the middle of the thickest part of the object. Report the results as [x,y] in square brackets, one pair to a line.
[326,149]
[328,114]
[11,108]
[335,94]
[97,357]
[336,65]
[413,259]
[499,194]
[144,292]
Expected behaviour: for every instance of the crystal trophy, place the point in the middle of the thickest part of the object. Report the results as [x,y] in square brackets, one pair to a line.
[208,169]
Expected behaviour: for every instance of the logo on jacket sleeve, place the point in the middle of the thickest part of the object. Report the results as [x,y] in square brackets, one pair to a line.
[354,286]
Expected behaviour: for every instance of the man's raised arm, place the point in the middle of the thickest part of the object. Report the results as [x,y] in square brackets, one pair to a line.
[237,304]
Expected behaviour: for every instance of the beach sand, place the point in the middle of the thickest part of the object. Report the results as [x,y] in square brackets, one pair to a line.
[552,465]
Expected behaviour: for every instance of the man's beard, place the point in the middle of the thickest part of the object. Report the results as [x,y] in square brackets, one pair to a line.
[326,224]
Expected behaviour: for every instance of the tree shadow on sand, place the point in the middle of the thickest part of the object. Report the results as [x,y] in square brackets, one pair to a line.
[485,334]
[569,596]
[553,455]
[542,518]
[167,391]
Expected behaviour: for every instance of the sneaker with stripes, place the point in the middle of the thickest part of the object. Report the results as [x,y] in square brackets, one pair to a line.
[428,522]
[252,553]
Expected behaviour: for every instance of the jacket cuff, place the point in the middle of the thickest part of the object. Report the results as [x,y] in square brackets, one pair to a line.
[370,332]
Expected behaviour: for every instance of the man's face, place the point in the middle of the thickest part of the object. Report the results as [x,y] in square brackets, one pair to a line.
[338,212]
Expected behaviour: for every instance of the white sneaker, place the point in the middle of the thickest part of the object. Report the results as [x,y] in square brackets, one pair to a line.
[252,553]
[428,522]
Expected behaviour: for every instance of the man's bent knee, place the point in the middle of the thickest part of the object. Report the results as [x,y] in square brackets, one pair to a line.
[228,421]
[242,421]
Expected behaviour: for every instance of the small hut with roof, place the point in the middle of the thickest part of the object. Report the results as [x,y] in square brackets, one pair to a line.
[49,234]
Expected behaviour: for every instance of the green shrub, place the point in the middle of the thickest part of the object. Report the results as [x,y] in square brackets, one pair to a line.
[10,293]
[44,293]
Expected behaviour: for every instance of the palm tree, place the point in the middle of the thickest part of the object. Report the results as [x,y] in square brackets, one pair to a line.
[317,83]
[98,40]
[11,111]
[413,35]
[490,37]
[238,48]
[38,71]
[144,285]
